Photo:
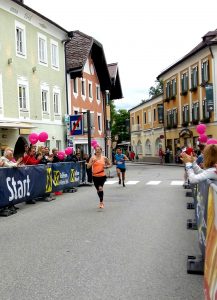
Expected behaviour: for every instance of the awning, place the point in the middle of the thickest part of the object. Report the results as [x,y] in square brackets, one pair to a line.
[14,125]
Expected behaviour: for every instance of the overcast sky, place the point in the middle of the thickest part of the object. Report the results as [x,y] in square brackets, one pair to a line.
[144,37]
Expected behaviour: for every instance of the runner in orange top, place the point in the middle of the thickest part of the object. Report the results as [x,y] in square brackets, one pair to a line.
[98,162]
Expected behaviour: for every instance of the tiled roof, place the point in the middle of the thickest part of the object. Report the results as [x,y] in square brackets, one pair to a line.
[78,50]
[210,38]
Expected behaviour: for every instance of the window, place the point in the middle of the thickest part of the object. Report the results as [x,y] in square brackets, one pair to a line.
[56,103]
[184,82]
[206,113]
[44,100]
[54,55]
[195,113]
[75,85]
[185,115]
[97,92]
[205,71]
[58,144]
[169,119]
[20,39]
[168,90]
[22,97]
[194,78]
[175,117]
[154,114]
[47,144]
[137,119]
[173,88]
[145,121]
[83,91]
[132,120]
[42,49]
[99,123]
[90,90]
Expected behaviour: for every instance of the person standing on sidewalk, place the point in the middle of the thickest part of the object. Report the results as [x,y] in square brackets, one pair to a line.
[120,165]
[99,163]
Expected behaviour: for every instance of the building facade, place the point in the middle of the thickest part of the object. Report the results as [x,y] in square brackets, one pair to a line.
[90,86]
[32,75]
[147,128]
[190,94]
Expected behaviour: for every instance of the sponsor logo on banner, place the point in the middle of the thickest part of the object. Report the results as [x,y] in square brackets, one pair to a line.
[49,180]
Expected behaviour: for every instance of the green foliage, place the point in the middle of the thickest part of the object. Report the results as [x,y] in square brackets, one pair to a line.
[157,89]
[120,124]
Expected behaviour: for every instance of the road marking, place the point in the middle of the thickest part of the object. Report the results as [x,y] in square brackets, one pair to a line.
[131,182]
[177,182]
[111,182]
[153,182]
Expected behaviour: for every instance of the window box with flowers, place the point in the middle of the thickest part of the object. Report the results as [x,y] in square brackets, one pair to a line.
[193,89]
[184,93]
[173,97]
[205,120]
[195,122]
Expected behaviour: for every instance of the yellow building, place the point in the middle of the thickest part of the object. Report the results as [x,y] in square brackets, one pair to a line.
[147,129]
[190,94]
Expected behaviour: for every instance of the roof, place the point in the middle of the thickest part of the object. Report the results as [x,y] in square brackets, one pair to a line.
[116,90]
[146,101]
[20,2]
[78,50]
[209,39]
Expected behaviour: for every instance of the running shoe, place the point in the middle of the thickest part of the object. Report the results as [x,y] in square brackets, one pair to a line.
[101,205]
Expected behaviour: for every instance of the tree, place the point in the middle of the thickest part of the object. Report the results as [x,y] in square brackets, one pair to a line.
[157,89]
[120,125]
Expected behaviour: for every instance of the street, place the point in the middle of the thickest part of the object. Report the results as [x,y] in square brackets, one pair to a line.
[135,248]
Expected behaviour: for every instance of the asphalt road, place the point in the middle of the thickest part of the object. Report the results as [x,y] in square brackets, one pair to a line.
[136,248]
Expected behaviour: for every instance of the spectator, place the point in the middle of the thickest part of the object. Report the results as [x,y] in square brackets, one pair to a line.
[54,155]
[30,158]
[199,159]
[8,159]
[195,173]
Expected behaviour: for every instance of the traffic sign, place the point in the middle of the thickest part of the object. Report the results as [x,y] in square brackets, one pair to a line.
[76,125]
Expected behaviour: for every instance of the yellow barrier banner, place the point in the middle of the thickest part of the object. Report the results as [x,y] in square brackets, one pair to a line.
[210,272]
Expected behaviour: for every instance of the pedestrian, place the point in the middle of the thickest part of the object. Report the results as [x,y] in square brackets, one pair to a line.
[98,163]
[132,155]
[161,155]
[120,159]
[167,156]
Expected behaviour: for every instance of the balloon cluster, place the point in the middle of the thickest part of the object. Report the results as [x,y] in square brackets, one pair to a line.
[41,137]
[203,138]
[94,144]
[61,154]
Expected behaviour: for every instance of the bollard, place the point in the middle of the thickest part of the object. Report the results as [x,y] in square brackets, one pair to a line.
[195,265]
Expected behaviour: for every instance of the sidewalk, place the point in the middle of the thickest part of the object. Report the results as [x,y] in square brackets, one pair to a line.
[154,163]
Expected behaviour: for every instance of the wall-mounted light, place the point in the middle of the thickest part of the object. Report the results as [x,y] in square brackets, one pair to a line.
[10,60]
[34,69]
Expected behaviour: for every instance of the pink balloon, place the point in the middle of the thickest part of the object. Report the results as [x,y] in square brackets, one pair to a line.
[68,150]
[43,136]
[33,138]
[203,138]
[201,128]
[93,142]
[61,155]
[212,142]
[96,145]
